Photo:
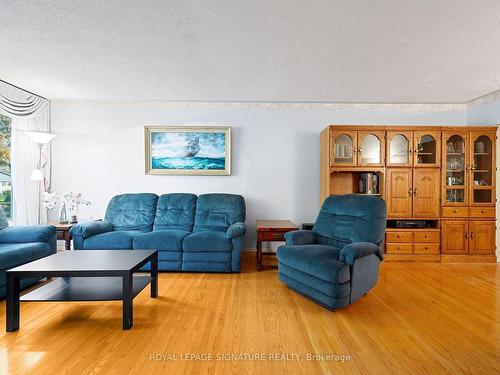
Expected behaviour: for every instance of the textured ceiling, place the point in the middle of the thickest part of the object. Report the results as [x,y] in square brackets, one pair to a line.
[279,50]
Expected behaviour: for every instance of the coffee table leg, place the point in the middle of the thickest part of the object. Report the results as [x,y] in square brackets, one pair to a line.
[13,286]
[154,276]
[128,318]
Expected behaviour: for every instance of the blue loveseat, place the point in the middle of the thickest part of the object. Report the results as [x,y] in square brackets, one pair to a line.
[191,233]
[20,245]
[338,261]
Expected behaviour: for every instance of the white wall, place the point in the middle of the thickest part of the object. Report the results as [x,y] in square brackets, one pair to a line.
[99,149]
[486,111]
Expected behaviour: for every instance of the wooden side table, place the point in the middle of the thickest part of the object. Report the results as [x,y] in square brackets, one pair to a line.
[271,231]
[63,233]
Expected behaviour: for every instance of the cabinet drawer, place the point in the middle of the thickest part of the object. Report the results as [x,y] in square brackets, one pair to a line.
[272,236]
[399,237]
[402,248]
[426,248]
[426,236]
[455,211]
[478,212]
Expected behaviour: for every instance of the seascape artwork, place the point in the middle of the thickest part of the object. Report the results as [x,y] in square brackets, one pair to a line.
[190,151]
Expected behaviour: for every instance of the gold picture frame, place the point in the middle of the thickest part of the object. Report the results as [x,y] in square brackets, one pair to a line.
[177,150]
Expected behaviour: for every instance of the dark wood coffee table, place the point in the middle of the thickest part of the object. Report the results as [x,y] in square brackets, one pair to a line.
[84,275]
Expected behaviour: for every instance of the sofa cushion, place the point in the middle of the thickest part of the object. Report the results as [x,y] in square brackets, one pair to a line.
[208,257]
[14,254]
[169,240]
[132,211]
[207,241]
[217,212]
[319,261]
[175,211]
[116,240]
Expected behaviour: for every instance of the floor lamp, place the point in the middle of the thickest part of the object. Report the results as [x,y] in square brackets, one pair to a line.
[41,139]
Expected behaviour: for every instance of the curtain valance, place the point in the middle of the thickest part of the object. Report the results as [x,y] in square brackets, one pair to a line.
[19,103]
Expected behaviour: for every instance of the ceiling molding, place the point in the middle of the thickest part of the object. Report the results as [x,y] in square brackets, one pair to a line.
[275,106]
[492,96]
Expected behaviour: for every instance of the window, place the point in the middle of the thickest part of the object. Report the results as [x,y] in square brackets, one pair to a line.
[5,166]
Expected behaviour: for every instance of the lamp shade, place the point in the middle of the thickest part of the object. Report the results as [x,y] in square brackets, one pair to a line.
[40,137]
[36,175]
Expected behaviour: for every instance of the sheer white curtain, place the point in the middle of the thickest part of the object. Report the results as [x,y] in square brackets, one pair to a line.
[28,113]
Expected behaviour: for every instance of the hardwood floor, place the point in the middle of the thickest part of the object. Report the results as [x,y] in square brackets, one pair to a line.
[421,318]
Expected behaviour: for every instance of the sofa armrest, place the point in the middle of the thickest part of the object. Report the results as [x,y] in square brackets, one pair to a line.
[24,234]
[91,228]
[236,230]
[300,237]
[353,251]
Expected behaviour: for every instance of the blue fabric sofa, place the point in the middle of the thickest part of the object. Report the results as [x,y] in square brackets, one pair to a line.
[20,245]
[337,261]
[191,233]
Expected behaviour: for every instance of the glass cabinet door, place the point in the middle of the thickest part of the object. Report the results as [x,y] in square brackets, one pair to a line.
[427,149]
[482,169]
[344,148]
[399,150]
[455,167]
[371,146]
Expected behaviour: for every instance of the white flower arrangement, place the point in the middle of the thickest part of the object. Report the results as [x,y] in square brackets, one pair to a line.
[74,200]
[50,200]
[71,200]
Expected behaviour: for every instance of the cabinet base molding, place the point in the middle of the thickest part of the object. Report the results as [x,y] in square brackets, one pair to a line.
[411,258]
[440,258]
[468,258]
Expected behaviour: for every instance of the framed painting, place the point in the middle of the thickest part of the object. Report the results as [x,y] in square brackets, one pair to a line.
[188,150]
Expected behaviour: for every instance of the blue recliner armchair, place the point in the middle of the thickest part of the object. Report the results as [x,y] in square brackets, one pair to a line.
[338,261]
[191,233]
[20,245]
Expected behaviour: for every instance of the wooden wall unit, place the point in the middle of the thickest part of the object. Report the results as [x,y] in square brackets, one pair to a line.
[444,175]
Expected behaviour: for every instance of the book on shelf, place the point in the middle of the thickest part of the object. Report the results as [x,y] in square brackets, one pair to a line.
[368,183]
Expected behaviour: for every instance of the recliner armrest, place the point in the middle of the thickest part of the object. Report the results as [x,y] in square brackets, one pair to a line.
[353,251]
[91,228]
[236,230]
[25,234]
[300,237]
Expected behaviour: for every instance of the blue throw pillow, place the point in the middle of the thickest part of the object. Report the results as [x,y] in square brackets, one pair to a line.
[4,223]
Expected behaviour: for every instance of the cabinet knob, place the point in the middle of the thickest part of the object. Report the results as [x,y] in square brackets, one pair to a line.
[425,247]
[455,211]
[483,211]
[426,237]
[415,191]
[399,236]
[410,191]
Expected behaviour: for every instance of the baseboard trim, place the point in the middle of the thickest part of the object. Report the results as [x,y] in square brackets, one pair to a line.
[468,258]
